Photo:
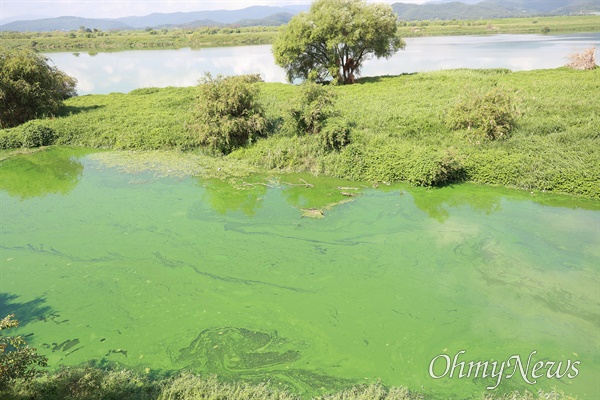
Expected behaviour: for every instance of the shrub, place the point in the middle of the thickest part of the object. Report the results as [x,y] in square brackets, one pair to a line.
[401,161]
[490,115]
[10,139]
[335,135]
[309,112]
[228,114]
[17,360]
[585,60]
[314,113]
[37,135]
[30,88]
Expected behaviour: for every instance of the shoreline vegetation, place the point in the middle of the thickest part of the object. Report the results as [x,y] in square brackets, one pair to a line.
[399,130]
[93,40]
[88,382]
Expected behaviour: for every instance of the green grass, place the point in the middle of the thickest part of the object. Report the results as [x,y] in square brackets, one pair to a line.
[563,24]
[212,37]
[138,39]
[398,130]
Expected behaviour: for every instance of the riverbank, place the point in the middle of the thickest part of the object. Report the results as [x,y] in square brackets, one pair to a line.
[84,383]
[218,37]
[398,132]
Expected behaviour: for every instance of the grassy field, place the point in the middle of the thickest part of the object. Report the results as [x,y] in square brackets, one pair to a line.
[398,130]
[212,37]
[587,23]
[140,39]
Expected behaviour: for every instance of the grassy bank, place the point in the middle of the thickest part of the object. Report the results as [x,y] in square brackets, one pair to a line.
[88,383]
[398,130]
[211,37]
[539,25]
[140,39]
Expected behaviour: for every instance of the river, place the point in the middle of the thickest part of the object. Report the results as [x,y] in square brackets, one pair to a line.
[163,273]
[127,70]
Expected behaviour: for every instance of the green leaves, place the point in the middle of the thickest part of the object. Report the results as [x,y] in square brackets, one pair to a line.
[334,38]
[17,360]
[30,88]
[313,112]
[228,114]
[485,115]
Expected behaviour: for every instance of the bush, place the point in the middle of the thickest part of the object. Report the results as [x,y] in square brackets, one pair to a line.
[10,139]
[30,88]
[17,360]
[314,113]
[490,115]
[228,114]
[85,383]
[309,112]
[335,135]
[37,135]
[394,162]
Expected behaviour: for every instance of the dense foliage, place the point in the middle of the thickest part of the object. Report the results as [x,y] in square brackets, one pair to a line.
[30,87]
[228,114]
[313,112]
[399,129]
[17,360]
[484,114]
[334,39]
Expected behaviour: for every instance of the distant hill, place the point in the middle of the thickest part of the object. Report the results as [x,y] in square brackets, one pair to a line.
[250,16]
[273,16]
[454,1]
[219,16]
[448,9]
[271,20]
[452,10]
[63,24]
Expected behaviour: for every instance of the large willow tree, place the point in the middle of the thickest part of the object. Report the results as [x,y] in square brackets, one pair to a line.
[334,38]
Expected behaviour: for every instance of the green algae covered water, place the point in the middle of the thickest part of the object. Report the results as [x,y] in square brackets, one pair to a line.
[398,284]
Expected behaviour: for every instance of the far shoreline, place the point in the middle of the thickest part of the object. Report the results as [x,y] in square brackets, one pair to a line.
[98,41]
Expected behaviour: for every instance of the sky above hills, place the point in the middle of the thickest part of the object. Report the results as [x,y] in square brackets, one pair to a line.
[11,10]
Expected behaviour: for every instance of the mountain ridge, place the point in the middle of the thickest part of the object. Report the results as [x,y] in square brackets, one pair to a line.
[273,16]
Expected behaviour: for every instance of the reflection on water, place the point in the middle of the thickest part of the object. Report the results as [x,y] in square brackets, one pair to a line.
[224,196]
[48,172]
[128,70]
[230,279]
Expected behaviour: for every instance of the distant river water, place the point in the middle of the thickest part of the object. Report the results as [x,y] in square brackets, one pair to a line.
[127,70]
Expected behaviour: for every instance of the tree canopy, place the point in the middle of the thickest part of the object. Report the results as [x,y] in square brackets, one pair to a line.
[334,38]
[30,88]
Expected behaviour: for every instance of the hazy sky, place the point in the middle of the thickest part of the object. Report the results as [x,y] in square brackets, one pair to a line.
[11,9]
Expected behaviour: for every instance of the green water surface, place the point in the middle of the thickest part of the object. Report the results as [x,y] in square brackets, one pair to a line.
[233,278]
